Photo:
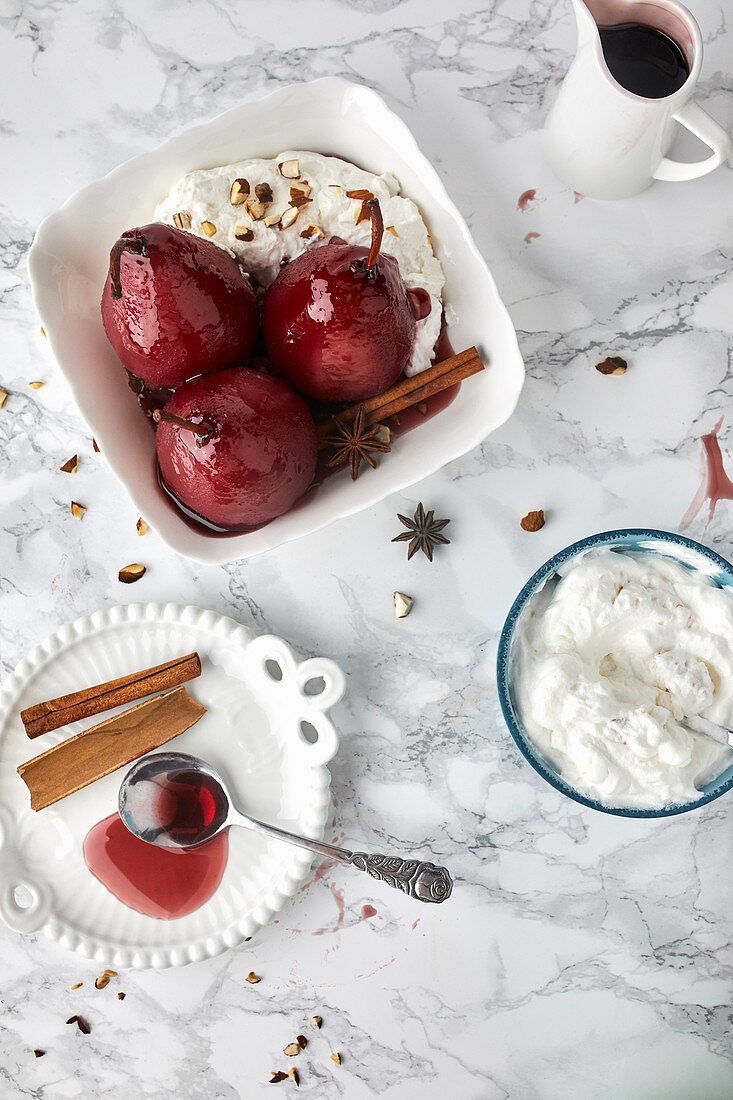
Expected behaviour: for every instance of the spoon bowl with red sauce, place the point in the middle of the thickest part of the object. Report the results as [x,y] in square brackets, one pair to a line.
[174,800]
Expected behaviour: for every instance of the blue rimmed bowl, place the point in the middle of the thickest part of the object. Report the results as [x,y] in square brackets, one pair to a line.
[682,550]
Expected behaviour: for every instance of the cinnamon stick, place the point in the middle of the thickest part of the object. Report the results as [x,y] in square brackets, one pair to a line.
[95,752]
[409,391]
[54,713]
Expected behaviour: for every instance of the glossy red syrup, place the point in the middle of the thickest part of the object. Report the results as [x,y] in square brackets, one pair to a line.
[165,883]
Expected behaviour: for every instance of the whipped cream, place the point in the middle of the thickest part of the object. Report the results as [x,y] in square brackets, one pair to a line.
[205,197]
[611,660]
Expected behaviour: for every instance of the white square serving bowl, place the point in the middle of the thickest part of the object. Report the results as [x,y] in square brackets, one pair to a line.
[68,263]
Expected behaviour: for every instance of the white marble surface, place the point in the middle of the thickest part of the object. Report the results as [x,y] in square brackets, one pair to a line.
[581,955]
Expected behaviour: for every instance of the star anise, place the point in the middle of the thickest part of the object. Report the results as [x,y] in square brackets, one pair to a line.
[354,442]
[423,532]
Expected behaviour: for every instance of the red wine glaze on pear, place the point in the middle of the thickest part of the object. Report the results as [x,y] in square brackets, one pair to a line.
[175,305]
[338,322]
[257,457]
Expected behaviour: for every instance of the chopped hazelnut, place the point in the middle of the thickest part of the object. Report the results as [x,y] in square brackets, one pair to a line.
[238,192]
[263,192]
[533,521]
[290,169]
[131,573]
[614,364]
[288,217]
[255,208]
[402,605]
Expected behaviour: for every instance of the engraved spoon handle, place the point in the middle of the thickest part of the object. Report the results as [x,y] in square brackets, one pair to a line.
[420,879]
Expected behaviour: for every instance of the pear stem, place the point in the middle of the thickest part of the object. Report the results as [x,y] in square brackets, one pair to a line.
[375,215]
[203,430]
[137,245]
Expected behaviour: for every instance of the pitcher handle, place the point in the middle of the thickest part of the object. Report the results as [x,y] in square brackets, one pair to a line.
[707,129]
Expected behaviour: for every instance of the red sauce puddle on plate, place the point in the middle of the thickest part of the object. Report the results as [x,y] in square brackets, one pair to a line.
[165,883]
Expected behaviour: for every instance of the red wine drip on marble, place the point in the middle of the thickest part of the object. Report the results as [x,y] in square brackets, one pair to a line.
[165,883]
[643,60]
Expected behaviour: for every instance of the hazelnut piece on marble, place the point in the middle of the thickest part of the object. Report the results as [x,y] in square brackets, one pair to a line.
[533,521]
[131,573]
[402,605]
[614,364]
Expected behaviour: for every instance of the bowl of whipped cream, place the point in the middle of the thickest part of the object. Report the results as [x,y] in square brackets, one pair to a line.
[613,657]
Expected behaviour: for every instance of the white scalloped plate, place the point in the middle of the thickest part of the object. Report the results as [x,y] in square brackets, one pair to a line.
[70,254]
[252,732]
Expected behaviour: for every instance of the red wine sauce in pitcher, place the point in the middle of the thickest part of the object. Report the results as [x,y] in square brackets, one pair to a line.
[643,60]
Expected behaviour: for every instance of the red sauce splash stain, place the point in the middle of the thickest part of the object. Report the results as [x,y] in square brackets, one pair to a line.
[415,924]
[715,484]
[338,897]
[577,197]
[529,237]
[368,911]
[525,199]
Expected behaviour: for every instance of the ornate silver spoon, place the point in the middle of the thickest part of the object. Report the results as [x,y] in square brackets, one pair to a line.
[175,800]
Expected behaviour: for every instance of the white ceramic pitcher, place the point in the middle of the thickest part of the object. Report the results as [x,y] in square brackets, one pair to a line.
[608,143]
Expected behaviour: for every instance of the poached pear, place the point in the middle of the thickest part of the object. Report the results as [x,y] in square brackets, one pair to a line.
[175,306]
[237,448]
[338,321]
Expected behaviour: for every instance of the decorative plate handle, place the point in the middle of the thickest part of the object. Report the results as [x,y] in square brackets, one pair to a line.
[302,712]
[14,881]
